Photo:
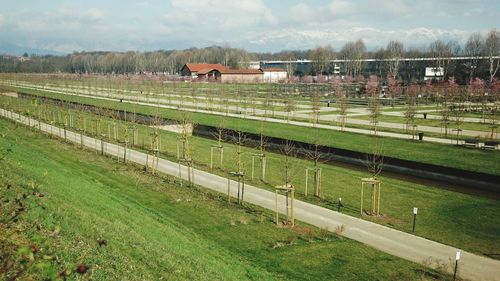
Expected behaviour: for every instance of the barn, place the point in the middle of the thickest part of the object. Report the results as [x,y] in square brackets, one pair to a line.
[209,74]
[241,76]
[219,73]
[192,69]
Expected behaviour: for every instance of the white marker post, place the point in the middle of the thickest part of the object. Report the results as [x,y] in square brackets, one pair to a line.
[457,258]
[415,211]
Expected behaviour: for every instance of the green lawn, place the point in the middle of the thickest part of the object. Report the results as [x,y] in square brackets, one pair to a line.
[432,122]
[399,196]
[431,153]
[451,134]
[153,228]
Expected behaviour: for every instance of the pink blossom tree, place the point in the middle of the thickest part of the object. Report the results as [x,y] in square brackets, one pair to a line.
[452,85]
[477,90]
[429,89]
[393,88]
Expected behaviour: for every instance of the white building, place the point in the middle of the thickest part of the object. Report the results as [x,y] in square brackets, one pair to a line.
[274,74]
[336,69]
[254,65]
[436,73]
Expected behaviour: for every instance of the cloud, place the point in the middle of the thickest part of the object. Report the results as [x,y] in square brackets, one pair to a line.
[259,25]
[93,15]
[399,8]
[63,20]
[342,7]
[217,16]
[373,37]
[301,12]
[143,3]
[63,48]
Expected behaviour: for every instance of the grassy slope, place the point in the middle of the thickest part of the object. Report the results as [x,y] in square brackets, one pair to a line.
[442,215]
[431,153]
[157,230]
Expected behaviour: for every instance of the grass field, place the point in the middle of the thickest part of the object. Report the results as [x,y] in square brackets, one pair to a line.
[152,229]
[451,134]
[433,123]
[431,153]
[443,213]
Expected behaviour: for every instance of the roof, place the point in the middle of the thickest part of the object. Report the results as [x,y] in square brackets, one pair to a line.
[241,71]
[273,70]
[205,71]
[196,67]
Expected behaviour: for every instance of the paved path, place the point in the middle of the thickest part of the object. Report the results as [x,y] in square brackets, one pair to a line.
[388,240]
[111,97]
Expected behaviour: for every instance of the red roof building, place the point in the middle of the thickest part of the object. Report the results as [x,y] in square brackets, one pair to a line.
[249,71]
[192,69]
[219,73]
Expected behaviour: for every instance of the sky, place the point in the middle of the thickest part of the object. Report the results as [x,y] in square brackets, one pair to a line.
[256,25]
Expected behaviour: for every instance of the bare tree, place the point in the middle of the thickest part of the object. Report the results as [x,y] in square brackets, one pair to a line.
[374,163]
[184,147]
[375,159]
[353,53]
[444,111]
[492,50]
[494,120]
[473,48]
[446,97]
[410,109]
[289,152]
[290,105]
[394,53]
[290,67]
[262,152]
[239,138]
[341,101]
[373,101]
[458,111]
[320,59]
[314,155]
[441,52]
[219,136]
[315,107]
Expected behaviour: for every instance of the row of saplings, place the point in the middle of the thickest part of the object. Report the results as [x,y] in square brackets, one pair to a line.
[79,122]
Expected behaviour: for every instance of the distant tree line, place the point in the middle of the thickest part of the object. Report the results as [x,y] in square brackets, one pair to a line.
[170,61]
[352,53]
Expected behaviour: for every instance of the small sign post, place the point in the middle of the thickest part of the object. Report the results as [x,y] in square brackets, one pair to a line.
[415,211]
[457,258]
